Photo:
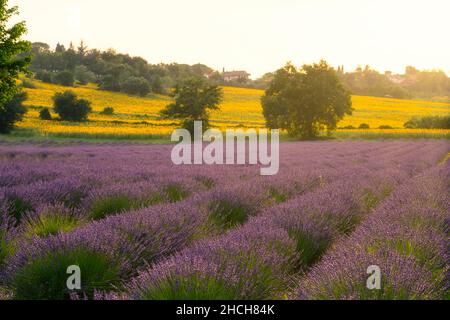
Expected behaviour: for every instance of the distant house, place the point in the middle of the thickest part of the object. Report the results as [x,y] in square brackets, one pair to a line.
[235,75]
[395,78]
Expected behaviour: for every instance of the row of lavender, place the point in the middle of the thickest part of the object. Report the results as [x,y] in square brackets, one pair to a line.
[259,260]
[407,238]
[124,243]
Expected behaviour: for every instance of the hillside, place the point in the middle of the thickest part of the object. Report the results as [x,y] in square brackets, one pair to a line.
[136,118]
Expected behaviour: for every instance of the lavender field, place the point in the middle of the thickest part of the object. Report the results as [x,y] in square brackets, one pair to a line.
[140,227]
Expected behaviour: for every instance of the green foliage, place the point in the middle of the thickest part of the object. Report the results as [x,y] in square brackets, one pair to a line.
[108,111]
[13,60]
[413,83]
[277,196]
[18,208]
[64,78]
[83,75]
[309,249]
[136,86]
[226,214]
[44,76]
[46,277]
[28,84]
[157,85]
[306,101]
[194,287]
[11,112]
[6,247]
[70,108]
[175,192]
[111,70]
[385,127]
[110,205]
[44,114]
[194,99]
[431,122]
[51,223]
[364,126]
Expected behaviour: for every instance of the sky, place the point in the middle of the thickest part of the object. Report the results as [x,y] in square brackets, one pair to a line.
[258,36]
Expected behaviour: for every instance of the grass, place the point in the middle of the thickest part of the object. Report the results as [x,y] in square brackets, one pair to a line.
[45,277]
[193,287]
[110,205]
[225,214]
[51,224]
[136,118]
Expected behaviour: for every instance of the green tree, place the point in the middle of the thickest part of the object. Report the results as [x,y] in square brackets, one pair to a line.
[44,114]
[83,75]
[44,76]
[307,101]
[14,59]
[64,78]
[194,98]
[12,112]
[70,108]
[136,86]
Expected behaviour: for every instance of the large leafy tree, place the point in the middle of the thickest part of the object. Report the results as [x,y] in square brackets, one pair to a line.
[14,59]
[194,98]
[306,101]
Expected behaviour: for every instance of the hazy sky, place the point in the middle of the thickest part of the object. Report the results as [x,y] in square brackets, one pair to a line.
[254,35]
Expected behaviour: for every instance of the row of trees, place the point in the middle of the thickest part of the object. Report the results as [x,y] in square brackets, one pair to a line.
[429,122]
[111,70]
[412,84]
[134,75]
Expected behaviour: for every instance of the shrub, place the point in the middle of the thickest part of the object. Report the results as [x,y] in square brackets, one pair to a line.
[349,127]
[70,108]
[431,122]
[385,127]
[108,111]
[46,276]
[12,112]
[44,76]
[44,114]
[364,126]
[26,83]
[64,78]
[136,86]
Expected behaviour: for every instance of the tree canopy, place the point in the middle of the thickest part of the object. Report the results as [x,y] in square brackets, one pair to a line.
[13,61]
[306,101]
[194,99]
